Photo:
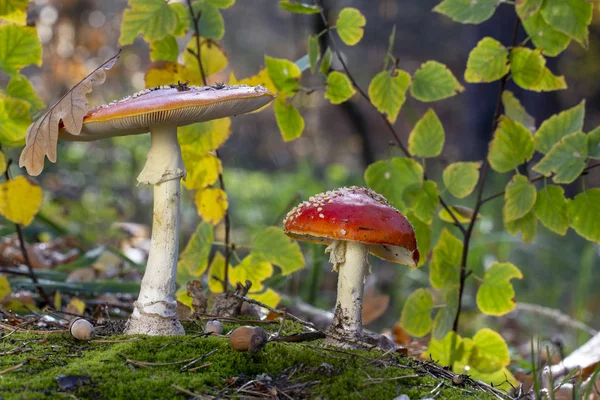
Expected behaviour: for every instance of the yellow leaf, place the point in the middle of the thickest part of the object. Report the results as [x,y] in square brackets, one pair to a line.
[212,56]
[20,200]
[76,306]
[2,163]
[261,78]
[182,296]
[205,136]
[268,297]
[253,270]
[211,204]
[5,288]
[202,169]
[165,73]
[216,270]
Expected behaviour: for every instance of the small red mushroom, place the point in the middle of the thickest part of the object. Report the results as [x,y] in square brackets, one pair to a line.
[353,222]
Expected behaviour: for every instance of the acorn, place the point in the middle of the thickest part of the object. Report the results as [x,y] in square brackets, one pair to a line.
[248,338]
[213,326]
[81,329]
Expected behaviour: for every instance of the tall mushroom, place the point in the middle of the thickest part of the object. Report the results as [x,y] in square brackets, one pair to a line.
[160,111]
[353,222]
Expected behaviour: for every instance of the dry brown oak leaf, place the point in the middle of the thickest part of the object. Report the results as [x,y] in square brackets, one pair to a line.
[42,135]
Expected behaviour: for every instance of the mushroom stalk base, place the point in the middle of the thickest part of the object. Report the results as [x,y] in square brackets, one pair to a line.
[351,259]
[154,313]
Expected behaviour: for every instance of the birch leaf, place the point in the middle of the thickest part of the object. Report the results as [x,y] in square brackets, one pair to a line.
[42,135]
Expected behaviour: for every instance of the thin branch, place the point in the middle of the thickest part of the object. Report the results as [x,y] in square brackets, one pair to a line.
[389,125]
[198,54]
[537,178]
[479,203]
[31,274]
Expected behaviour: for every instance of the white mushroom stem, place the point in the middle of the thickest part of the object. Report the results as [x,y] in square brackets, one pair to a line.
[154,312]
[351,260]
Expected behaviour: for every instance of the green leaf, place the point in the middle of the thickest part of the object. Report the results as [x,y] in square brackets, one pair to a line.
[350,25]
[445,263]
[153,19]
[164,49]
[15,118]
[392,177]
[325,62]
[511,146]
[515,110]
[388,92]
[184,23]
[14,11]
[519,198]
[566,159]
[206,136]
[529,71]
[551,209]
[571,17]
[467,11]
[313,52]
[423,235]
[487,62]
[211,22]
[444,319]
[19,87]
[416,314]
[490,352]
[584,211]
[558,126]
[462,214]
[289,120]
[496,295]
[594,144]
[299,8]
[427,137]
[461,178]
[434,81]
[446,351]
[283,73]
[274,246]
[193,261]
[252,269]
[216,273]
[526,8]
[221,3]
[424,200]
[550,41]
[5,288]
[527,225]
[19,47]
[339,88]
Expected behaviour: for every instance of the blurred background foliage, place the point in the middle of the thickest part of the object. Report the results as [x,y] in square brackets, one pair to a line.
[94,184]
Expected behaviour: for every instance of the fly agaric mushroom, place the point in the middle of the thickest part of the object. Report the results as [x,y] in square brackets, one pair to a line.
[353,222]
[160,111]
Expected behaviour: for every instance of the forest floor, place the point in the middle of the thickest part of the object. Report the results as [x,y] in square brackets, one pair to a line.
[112,366]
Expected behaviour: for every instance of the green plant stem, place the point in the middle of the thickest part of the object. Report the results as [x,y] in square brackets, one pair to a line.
[391,129]
[227,219]
[464,273]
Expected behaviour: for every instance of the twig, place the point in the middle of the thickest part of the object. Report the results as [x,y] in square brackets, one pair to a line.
[190,393]
[194,361]
[235,320]
[32,275]
[276,311]
[389,125]
[199,367]
[479,203]
[153,364]
[11,328]
[198,55]
[115,340]
[374,381]
[14,368]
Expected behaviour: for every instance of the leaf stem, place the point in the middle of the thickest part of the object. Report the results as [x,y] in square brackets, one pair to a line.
[198,55]
[464,273]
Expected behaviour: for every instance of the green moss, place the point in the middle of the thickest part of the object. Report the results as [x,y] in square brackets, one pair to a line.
[325,373]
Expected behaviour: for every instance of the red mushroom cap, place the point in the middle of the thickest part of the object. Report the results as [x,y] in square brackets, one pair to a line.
[358,215]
